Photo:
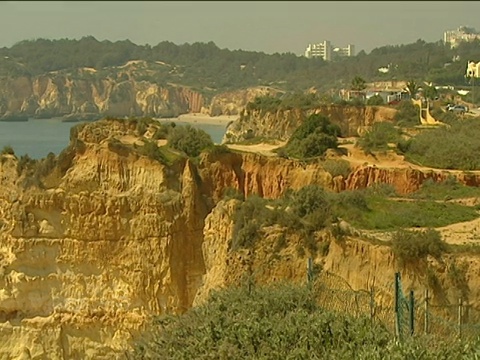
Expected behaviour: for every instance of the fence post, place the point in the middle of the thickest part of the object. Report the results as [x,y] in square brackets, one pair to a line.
[372,305]
[460,317]
[425,324]
[309,271]
[412,312]
[397,307]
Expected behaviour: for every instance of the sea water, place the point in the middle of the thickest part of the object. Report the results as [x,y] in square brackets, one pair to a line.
[39,137]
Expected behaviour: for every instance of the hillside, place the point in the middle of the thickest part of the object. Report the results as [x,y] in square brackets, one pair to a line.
[87,77]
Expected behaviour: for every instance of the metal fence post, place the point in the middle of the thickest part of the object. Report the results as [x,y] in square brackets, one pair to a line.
[412,312]
[460,317]
[397,306]
[372,305]
[425,324]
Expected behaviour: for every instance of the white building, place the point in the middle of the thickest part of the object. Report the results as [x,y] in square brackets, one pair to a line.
[323,50]
[463,33]
[327,52]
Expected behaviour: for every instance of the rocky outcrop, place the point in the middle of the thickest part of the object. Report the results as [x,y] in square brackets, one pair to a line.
[282,123]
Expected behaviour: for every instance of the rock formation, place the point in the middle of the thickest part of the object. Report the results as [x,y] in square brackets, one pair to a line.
[94,246]
[282,123]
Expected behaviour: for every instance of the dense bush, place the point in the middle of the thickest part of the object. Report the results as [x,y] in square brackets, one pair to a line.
[312,138]
[408,114]
[453,147]
[375,100]
[280,322]
[151,149]
[189,140]
[379,137]
[8,150]
[337,167]
[411,246]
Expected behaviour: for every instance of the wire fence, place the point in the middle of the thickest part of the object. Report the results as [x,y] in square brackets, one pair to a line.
[403,314]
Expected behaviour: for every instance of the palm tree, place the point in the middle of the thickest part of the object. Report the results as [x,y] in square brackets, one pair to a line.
[412,88]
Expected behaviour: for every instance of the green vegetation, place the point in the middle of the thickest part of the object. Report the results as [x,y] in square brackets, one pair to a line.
[445,190]
[453,147]
[312,208]
[304,211]
[379,137]
[281,322]
[391,214]
[358,83]
[189,140]
[408,114]
[209,69]
[312,138]
[411,246]
[153,151]
[375,100]
[288,101]
[7,150]
[337,167]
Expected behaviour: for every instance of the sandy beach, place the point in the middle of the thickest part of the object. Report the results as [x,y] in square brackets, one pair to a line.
[203,119]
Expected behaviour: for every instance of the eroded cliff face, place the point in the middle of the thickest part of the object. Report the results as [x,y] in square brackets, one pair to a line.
[55,95]
[282,123]
[106,239]
[234,102]
[352,262]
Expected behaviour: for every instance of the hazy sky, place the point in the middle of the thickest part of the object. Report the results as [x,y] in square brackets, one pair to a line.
[273,26]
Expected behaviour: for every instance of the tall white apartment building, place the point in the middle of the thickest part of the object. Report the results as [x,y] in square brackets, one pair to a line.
[327,51]
[323,50]
[463,33]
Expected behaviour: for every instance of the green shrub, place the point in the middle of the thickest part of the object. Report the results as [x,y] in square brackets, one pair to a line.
[379,137]
[337,167]
[118,147]
[408,114]
[8,150]
[312,205]
[232,193]
[189,140]
[151,149]
[281,321]
[453,147]
[375,100]
[313,138]
[412,246]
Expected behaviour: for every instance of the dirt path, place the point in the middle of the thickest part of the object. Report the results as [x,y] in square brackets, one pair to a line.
[262,148]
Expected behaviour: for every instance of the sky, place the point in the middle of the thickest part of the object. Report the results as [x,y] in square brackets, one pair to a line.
[266,26]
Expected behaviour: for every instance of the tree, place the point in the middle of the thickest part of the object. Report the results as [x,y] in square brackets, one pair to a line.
[412,88]
[430,92]
[375,100]
[358,83]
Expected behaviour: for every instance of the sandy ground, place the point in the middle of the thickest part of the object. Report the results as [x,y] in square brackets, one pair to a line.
[203,119]
[262,148]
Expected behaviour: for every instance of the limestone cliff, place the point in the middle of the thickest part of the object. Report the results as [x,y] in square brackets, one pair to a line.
[282,123]
[234,102]
[93,246]
[55,95]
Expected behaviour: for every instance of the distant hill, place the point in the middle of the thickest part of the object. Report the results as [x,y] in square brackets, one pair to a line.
[206,66]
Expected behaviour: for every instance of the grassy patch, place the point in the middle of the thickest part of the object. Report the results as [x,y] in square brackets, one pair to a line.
[448,189]
[381,213]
